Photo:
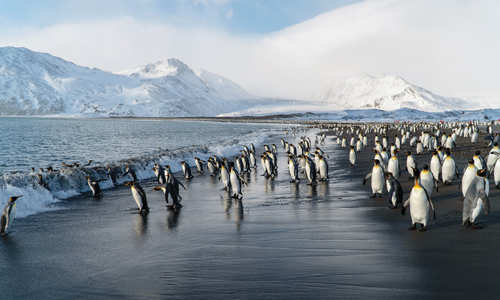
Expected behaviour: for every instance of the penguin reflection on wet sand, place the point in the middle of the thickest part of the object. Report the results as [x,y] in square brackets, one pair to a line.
[8,215]
[139,196]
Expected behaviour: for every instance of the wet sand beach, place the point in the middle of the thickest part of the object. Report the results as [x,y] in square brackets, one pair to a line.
[283,241]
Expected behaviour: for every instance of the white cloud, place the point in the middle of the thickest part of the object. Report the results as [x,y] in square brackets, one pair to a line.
[448,46]
[229,13]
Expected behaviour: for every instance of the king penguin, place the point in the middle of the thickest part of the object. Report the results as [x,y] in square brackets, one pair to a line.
[139,197]
[420,207]
[476,200]
[8,215]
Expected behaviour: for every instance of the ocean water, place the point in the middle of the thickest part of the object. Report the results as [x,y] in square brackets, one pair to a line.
[43,142]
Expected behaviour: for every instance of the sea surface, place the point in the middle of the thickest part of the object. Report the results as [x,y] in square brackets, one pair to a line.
[42,142]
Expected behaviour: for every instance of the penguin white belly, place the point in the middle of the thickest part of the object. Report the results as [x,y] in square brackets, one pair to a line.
[377,181]
[435,167]
[448,170]
[352,157]
[225,179]
[468,178]
[477,210]
[137,198]
[291,169]
[323,170]
[427,181]
[496,173]
[419,206]
[235,183]
[393,168]
[308,172]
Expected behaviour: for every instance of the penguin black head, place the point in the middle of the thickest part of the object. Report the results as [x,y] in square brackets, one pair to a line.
[448,152]
[376,162]
[482,173]
[471,161]
[388,175]
[434,152]
[495,144]
[408,153]
[478,152]
[14,198]
[129,183]
[426,167]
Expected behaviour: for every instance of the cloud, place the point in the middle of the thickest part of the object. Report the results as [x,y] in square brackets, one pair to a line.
[229,13]
[448,46]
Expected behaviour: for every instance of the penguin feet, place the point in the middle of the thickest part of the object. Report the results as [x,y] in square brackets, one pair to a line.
[476,226]
[422,229]
[373,196]
[467,224]
[412,227]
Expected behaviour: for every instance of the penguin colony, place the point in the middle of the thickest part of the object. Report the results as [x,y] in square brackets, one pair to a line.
[307,162]
[311,165]
[438,139]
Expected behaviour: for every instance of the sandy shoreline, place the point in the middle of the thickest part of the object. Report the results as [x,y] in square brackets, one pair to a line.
[285,241]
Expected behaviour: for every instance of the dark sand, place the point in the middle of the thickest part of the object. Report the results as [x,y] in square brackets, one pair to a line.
[328,241]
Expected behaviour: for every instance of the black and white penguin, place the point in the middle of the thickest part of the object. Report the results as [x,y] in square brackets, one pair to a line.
[421,206]
[236,182]
[322,165]
[159,173]
[95,188]
[129,171]
[293,168]
[186,169]
[199,165]
[8,215]
[394,191]
[476,200]
[310,171]
[139,196]
[449,169]
[377,179]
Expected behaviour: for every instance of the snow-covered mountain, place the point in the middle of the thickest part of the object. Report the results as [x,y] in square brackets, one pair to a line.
[33,83]
[386,93]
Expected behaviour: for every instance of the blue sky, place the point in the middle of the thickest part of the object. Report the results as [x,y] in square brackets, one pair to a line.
[235,16]
[278,48]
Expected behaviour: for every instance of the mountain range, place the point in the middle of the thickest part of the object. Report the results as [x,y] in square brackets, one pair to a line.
[34,83]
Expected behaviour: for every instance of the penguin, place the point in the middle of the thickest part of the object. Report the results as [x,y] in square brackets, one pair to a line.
[468,177]
[199,165]
[8,215]
[186,169]
[139,197]
[293,168]
[236,182]
[377,179]
[322,165]
[427,180]
[159,173]
[449,169]
[394,191]
[393,165]
[352,156]
[496,173]
[420,148]
[476,200]
[435,167]
[253,161]
[420,207]
[493,155]
[224,177]
[129,171]
[211,166]
[410,165]
[479,160]
[310,170]
[94,187]
[171,188]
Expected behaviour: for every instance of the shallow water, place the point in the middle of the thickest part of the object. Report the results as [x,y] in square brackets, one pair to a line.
[42,142]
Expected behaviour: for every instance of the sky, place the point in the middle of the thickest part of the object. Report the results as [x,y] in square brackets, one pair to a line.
[279,48]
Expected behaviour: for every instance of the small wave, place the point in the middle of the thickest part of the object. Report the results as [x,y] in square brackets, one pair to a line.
[68,182]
